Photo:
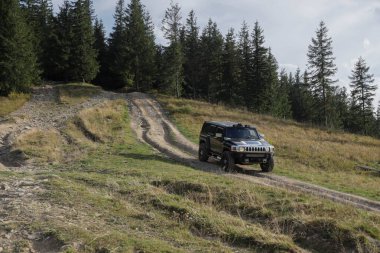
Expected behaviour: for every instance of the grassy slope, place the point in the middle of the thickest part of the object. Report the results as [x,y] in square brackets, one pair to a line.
[75,93]
[11,103]
[321,157]
[118,195]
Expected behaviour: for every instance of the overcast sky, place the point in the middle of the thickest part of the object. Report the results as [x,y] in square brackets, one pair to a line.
[288,26]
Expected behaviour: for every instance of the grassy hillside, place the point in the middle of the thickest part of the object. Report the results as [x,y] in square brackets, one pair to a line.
[115,194]
[326,158]
[12,103]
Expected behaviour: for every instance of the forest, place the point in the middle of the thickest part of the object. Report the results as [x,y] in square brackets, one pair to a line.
[38,45]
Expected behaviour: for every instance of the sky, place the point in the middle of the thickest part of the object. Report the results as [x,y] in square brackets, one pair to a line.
[289,25]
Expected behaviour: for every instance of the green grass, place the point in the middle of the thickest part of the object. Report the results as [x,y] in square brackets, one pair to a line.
[318,156]
[76,93]
[122,196]
[11,103]
[130,198]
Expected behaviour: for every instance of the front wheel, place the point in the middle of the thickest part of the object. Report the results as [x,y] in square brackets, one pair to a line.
[268,166]
[203,153]
[227,163]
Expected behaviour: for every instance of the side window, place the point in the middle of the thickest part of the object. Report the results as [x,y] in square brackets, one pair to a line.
[220,131]
[211,131]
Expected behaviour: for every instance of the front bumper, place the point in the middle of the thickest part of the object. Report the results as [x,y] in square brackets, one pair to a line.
[252,158]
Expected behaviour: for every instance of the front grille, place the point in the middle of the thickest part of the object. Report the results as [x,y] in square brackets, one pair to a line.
[254,149]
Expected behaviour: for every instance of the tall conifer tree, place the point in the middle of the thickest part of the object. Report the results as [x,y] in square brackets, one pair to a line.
[246,63]
[141,45]
[192,56]
[83,64]
[362,94]
[231,70]
[322,69]
[101,47]
[259,85]
[18,61]
[118,53]
[211,62]
[171,26]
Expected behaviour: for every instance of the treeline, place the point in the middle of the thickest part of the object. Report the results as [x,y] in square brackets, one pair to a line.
[237,69]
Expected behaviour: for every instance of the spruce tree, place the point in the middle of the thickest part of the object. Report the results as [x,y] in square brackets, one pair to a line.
[259,85]
[100,46]
[231,70]
[246,63]
[141,45]
[362,94]
[322,69]
[83,64]
[61,44]
[171,26]
[296,96]
[118,63]
[281,107]
[39,14]
[18,62]
[192,57]
[271,80]
[211,62]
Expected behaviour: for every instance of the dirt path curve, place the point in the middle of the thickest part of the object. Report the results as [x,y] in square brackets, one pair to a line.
[152,126]
[43,111]
[20,195]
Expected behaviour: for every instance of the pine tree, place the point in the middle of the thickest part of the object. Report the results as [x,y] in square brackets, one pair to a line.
[259,71]
[296,96]
[246,63]
[211,62]
[322,69]
[271,80]
[281,107]
[141,45]
[100,46]
[60,46]
[192,57]
[39,14]
[231,70]
[18,62]
[118,62]
[83,64]
[171,26]
[362,94]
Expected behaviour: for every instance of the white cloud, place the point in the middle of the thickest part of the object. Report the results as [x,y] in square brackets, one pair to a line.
[366,43]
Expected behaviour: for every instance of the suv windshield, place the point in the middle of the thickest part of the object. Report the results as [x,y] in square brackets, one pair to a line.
[241,133]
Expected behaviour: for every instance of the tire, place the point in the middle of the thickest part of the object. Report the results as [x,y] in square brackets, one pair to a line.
[267,167]
[203,153]
[227,163]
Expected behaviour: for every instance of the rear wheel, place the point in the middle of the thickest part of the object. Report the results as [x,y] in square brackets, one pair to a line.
[227,163]
[268,166]
[203,153]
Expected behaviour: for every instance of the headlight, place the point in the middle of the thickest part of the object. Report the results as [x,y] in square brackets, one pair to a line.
[241,149]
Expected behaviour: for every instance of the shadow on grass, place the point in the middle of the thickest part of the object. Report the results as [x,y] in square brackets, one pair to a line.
[154,157]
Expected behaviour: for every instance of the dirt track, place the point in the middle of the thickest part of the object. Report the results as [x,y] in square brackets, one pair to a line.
[153,127]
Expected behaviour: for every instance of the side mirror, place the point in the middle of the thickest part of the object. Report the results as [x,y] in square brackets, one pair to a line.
[218,135]
[262,136]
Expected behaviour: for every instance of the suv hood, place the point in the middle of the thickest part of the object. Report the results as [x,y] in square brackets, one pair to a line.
[259,143]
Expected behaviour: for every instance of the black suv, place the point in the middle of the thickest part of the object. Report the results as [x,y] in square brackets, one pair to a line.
[235,143]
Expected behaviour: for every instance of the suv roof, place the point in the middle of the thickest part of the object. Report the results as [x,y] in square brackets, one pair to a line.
[225,124]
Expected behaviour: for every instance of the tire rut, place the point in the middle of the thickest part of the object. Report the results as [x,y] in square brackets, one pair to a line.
[152,126]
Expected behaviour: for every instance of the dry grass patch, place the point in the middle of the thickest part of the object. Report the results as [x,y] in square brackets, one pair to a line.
[76,93]
[42,146]
[304,152]
[11,103]
[101,124]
